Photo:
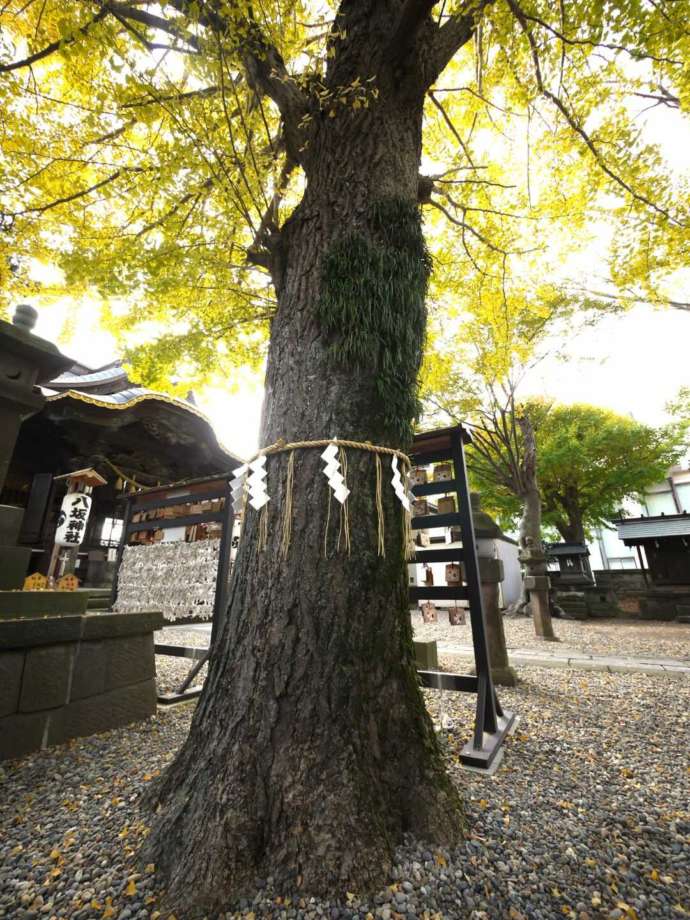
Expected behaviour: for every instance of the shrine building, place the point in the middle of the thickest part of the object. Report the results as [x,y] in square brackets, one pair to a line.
[132,436]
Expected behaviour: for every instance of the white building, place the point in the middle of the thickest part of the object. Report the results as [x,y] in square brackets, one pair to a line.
[672,496]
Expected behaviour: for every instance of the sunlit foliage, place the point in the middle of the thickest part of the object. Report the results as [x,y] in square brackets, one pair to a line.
[141,153]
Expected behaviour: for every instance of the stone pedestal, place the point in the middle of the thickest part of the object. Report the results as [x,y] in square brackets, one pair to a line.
[426,655]
[538,587]
[14,560]
[491,575]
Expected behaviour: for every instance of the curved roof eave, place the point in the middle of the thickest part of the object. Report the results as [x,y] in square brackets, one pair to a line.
[127,399]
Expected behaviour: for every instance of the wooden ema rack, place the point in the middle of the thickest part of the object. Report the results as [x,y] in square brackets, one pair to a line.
[491,722]
[178,496]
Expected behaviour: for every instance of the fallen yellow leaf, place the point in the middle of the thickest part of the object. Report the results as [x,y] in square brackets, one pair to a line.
[131,889]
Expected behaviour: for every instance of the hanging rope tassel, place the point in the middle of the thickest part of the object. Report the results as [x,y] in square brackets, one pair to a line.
[379,508]
[344,528]
[328,521]
[263,528]
[408,540]
[287,511]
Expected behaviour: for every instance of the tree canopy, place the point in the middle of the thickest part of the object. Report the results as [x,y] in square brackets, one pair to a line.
[589,461]
[152,151]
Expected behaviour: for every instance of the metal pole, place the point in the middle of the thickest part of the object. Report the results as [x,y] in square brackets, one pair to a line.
[120,550]
[486,708]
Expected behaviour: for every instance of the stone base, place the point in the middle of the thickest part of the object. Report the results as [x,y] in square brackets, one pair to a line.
[15,605]
[14,564]
[66,677]
[426,655]
[504,677]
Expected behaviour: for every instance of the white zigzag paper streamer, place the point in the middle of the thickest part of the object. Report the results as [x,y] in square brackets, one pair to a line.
[332,472]
[256,483]
[398,486]
[237,487]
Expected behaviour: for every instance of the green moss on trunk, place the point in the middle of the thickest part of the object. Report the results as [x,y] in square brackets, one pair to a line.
[372,307]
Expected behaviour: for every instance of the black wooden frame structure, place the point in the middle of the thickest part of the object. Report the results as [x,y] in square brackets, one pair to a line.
[492,723]
[188,491]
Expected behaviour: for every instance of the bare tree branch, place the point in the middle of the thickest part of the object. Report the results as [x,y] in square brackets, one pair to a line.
[80,194]
[55,46]
[574,124]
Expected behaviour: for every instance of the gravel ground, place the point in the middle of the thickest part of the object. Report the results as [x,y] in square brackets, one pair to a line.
[170,672]
[634,638]
[587,817]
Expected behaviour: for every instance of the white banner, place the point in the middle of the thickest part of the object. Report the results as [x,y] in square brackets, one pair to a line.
[74,513]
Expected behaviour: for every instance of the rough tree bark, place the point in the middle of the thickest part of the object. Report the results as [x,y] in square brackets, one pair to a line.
[571,526]
[310,752]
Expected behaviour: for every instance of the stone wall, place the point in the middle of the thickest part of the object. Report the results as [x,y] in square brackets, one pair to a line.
[70,676]
[620,580]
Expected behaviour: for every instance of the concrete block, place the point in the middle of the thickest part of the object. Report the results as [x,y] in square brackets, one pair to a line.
[88,676]
[128,660]
[11,667]
[104,625]
[102,713]
[46,677]
[21,733]
[26,633]
[426,655]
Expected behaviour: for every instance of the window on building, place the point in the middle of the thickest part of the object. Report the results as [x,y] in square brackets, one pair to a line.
[111,531]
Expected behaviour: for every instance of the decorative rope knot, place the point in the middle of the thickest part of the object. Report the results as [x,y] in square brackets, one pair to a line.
[250,479]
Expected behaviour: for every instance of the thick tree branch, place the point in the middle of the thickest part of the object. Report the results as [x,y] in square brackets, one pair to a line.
[259,253]
[154,22]
[412,15]
[448,39]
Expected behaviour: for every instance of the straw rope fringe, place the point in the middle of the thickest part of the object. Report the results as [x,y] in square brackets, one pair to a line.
[287,511]
[344,529]
[263,528]
[379,509]
[344,536]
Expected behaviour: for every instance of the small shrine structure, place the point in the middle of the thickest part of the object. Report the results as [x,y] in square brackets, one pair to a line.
[132,436]
[574,569]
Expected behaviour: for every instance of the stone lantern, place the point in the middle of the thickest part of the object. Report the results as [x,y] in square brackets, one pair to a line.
[25,361]
[487,532]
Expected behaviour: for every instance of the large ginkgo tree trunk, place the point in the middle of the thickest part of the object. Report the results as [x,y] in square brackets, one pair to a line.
[310,752]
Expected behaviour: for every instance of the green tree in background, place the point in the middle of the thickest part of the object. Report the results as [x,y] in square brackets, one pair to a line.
[589,461]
